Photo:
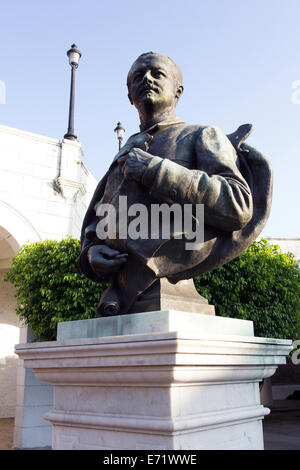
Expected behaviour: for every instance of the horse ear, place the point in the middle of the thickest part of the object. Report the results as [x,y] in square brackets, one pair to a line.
[240,135]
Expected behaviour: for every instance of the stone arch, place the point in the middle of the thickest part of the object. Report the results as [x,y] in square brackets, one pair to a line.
[15,230]
[17,225]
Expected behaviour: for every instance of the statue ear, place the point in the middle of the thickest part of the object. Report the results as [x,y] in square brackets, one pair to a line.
[179,92]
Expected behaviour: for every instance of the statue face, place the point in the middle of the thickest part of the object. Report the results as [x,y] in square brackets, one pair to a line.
[153,84]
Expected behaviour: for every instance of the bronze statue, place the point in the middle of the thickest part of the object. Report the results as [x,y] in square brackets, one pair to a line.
[170,161]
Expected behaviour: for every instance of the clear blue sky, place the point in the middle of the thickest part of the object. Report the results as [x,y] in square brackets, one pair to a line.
[239,60]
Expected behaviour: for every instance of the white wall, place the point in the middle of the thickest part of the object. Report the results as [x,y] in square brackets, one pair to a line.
[29,166]
[9,336]
[44,193]
[287,245]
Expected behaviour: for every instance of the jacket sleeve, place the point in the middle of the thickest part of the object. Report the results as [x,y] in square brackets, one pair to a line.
[89,237]
[218,185]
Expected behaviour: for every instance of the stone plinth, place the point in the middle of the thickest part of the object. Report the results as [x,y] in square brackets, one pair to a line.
[192,385]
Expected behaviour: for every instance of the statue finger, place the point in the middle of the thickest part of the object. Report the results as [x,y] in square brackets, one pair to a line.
[110,265]
[108,251]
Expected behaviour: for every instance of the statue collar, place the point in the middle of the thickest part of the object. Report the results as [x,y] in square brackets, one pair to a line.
[167,122]
[141,138]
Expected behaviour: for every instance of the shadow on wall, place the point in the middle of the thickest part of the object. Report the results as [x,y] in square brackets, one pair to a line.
[9,337]
[8,385]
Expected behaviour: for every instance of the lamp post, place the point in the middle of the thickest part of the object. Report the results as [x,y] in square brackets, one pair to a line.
[120,133]
[74,55]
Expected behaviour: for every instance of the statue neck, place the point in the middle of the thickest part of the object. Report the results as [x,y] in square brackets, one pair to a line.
[150,119]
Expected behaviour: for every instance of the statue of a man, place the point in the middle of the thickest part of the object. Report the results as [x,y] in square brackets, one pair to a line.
[172,162]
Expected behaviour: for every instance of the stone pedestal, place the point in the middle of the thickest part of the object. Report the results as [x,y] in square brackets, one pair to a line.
[163,295]
[157,380]
[34,398]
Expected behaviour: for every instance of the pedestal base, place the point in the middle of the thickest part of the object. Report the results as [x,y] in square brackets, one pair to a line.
[163,295]
[191,385]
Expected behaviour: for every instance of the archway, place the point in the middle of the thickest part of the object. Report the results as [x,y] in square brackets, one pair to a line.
[15,230]
[9,328]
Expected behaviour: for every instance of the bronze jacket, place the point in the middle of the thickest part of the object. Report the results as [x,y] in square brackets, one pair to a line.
[191,164]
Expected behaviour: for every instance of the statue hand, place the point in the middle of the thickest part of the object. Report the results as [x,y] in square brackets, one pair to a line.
[105,260]
[135,163]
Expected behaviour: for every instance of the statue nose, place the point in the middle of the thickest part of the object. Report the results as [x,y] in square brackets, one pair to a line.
[147,77]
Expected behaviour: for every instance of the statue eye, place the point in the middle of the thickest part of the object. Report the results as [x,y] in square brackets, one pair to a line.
[158,74]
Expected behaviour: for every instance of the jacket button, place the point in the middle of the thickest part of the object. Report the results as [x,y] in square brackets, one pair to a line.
[173,192]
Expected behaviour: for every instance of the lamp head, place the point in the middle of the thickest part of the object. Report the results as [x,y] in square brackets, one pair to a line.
[74,55]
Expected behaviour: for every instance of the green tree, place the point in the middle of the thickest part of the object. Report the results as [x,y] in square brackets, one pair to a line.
[263,285]
[49,287]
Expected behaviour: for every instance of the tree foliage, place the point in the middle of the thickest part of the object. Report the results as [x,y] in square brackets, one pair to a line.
[49,287]
[262,285]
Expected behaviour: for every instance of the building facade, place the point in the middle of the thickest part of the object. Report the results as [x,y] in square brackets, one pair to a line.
[290,244]
[44,193]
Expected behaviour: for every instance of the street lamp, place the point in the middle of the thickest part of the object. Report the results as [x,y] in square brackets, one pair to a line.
[120,133]
[74,55]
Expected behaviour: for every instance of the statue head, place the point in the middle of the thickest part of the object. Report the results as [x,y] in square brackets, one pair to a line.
[154,82]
